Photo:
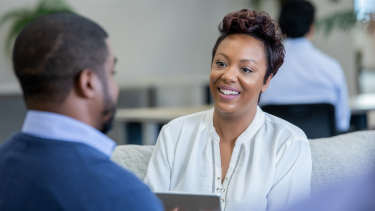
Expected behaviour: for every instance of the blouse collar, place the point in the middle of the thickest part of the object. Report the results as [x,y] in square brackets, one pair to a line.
[246,136]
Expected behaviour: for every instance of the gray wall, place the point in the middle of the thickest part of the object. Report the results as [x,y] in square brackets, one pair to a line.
[169,42]
[12,114]
[165,44]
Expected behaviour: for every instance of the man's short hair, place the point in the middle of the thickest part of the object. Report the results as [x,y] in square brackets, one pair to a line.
[52,50]
[296,18]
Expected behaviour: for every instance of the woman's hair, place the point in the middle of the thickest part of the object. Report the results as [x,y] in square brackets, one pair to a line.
[261,27]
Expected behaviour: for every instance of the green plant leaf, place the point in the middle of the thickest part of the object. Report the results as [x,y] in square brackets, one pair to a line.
[13,14]
[255,3]
[20,17]
[343,20]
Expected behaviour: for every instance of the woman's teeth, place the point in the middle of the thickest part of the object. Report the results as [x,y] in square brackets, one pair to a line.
[228,92]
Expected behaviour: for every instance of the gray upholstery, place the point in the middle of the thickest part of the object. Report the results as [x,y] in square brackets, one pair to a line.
[335,159]
[341,158]
[134,158]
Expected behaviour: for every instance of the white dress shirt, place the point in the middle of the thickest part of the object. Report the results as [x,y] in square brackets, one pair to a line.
[270,167]
[63,128]
[309,76]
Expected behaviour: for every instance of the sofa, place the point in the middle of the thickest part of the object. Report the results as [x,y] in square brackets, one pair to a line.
[334,160]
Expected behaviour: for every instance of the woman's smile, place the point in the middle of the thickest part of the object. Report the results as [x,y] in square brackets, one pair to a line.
[228,93]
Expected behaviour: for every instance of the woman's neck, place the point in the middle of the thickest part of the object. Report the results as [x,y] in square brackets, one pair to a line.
[230,126]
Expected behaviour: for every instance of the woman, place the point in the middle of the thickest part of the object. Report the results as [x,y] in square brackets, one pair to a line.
[254,160]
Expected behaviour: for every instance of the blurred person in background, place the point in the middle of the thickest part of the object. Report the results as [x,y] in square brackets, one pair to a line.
[307,75]
[256,161]
[61,158]
[355,195]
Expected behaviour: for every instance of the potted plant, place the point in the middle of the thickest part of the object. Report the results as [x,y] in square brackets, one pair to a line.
[342,20]
[18,18]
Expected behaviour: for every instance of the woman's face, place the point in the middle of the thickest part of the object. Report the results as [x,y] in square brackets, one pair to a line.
[237,74]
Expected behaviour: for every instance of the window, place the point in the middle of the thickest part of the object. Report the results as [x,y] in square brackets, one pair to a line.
[364,8]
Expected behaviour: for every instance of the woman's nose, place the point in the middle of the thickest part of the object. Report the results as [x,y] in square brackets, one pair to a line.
[230,76]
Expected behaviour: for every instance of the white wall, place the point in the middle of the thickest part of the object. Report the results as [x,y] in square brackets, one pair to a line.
[339,45]
[168,42]
[164,42]
[8,83]
[365,42]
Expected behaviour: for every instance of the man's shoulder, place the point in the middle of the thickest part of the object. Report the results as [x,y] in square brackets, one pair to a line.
[321,57]
[76,162]
[113,175]
[311,53]
[73,172]
[118,186]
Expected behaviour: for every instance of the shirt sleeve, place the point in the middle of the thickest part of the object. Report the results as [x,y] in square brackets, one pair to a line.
[136,201]
[342,108]
[159,169]
[292,175]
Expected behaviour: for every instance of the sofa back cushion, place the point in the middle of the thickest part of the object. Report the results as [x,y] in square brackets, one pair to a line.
[134,158]
[334,159]
[341,158]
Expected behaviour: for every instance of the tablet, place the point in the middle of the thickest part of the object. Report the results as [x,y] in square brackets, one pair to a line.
[190,201]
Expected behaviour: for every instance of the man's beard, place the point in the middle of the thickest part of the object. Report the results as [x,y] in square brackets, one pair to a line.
[108,125]
[109,109]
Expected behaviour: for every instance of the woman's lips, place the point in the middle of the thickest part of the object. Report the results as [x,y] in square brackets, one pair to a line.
[228,94]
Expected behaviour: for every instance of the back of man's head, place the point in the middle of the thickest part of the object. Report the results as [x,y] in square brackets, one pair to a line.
[296,17]
[52,50]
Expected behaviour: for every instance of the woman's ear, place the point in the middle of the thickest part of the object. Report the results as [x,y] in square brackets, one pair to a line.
[87,84]
[265,86]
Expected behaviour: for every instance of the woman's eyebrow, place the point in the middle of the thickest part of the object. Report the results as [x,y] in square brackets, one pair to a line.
[227,57]
[248,60]
[242,60]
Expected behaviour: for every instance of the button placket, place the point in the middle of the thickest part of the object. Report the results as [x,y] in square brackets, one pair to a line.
[219,186]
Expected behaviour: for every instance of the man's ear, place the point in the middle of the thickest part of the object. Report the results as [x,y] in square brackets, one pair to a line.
[87,84]
[310,34]
[265,86]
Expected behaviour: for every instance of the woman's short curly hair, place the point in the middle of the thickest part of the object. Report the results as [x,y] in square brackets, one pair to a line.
[261,27]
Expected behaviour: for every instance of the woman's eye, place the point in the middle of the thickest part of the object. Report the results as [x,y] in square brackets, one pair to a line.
[247,70]
[221,64]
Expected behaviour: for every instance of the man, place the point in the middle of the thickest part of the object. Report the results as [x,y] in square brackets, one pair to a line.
[61,158]
[307,75]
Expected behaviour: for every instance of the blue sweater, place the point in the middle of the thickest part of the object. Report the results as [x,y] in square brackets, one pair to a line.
[42,174]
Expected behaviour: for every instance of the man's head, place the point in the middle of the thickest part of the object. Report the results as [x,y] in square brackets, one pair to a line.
[65,63]
[296,18]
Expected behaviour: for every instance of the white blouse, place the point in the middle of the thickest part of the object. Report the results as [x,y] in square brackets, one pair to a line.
[270,167]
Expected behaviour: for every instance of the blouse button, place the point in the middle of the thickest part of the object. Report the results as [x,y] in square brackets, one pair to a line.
[218,178]
[222,200]
[226,179]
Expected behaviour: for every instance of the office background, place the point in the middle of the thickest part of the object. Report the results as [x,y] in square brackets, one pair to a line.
[164,47]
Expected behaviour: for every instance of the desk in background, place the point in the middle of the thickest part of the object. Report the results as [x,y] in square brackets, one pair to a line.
[151,118]
[360,106]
